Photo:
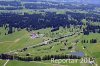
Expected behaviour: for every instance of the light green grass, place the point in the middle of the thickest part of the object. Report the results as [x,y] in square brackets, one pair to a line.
[17,40]
[2,62]
[20,63]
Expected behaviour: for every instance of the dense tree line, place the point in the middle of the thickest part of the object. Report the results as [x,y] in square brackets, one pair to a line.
[89,41]
[10,3]
[35,21]
[37,58]
[32,4]
[91,28]
[49,19]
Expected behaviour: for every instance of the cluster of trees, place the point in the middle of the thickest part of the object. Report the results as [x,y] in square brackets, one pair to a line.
[89,41]
[93,41]
[49,19]
[35,21]
[38,58]
[45,5]
[10,8]
[33,4]
[91,28]
[10,5]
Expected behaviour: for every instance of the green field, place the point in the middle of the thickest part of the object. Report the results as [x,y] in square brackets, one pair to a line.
[32,33]
[44,63]
[21,39]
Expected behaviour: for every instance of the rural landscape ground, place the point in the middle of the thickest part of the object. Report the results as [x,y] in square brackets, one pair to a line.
[33,32]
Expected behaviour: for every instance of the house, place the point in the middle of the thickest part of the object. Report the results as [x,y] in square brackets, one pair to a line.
[34,35]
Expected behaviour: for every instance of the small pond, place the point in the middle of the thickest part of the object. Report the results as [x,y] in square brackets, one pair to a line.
[77,53]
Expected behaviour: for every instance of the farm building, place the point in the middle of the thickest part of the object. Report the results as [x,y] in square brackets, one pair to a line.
[33,35]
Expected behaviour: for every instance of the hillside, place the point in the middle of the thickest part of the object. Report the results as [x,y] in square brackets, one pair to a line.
[49,32]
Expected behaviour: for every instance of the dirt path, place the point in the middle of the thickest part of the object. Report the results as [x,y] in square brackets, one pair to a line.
[6,63]
[7,42]
[15,41]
